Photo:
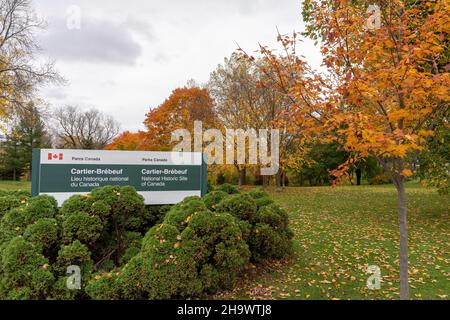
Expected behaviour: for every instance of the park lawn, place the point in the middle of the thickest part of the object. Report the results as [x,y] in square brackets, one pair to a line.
[340,231]
[15,185]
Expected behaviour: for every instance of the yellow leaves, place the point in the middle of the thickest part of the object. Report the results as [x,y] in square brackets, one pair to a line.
[325,281]
[401,114]
[415,271]
[189,218]
[425,133]
[407,173]
[177,245]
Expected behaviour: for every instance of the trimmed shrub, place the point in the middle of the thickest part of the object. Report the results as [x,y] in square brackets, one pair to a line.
[134,278]
[205,256]
[213,199]
[180,214]
[13,224]
[81,226]
[123,201]
[127,283]
[173,270]
[76,254]
[7,203]
[200,247]
[132,241]
[225,250]
[228,188]
[100,209]
[39,207]
[102,219]
[274,216]
[258,193]
[154,215]
[266,242]
[43,233]
[270,236]
[242,206]
[104,286]
[77,203]
[262,202]
[25,272]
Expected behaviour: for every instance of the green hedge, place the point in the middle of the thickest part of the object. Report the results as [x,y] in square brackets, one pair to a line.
[126,250]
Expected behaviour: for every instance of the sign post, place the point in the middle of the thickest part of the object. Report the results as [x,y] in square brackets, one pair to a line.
[160,177]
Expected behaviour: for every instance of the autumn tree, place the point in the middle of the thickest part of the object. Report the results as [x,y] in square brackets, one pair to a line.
[20,73]
[386,83]
[237,102]
[129,141]
[248,99]
[179,111]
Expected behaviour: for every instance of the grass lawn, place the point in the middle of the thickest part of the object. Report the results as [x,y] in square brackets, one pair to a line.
[15,185]
[340,231]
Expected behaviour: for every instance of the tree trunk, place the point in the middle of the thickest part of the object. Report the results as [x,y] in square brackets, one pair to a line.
[278,181]
[403,223]
[358,176]
[394,168]
[242,178]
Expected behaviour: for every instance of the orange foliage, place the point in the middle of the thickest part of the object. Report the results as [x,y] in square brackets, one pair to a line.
[383,86]
[129,141]
[179,110]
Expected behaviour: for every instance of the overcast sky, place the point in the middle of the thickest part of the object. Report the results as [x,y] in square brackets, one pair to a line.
[127,56]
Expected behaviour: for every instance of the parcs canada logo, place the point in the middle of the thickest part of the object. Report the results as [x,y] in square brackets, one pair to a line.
[55,156]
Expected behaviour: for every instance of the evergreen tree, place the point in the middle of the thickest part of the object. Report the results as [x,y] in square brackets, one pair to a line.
[27,133]
[12,165]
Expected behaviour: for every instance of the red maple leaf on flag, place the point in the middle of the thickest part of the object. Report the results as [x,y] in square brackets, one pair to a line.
[54,156]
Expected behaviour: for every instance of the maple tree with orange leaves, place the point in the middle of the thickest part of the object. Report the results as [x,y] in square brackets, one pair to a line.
[382,89]
[180,110]
[129,141]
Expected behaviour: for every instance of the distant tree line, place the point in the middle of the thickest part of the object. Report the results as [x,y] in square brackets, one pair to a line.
[67,127]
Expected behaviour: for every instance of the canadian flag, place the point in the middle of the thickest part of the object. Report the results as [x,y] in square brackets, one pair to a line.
[55,156]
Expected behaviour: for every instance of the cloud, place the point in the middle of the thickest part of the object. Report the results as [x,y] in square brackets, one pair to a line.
[140,27]
[165,42]
[97,41]
[56,93]
[108,83]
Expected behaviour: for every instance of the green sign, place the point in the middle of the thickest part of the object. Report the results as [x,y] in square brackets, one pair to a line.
[160,177]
